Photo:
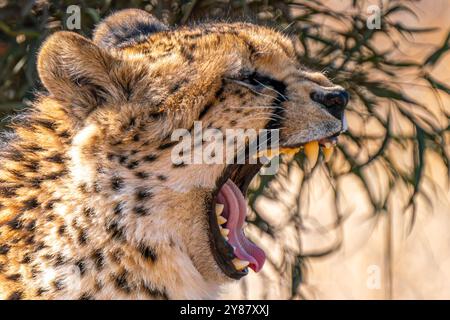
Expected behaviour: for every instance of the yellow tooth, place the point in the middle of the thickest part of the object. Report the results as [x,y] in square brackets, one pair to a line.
[221,220]
[312,152]
[240,264]
[269,154]
[272,153]
[327,153]
[290,151]
[224,232]
[288,157]
[219,209]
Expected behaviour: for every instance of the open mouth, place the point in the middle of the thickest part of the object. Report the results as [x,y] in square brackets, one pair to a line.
[233,251]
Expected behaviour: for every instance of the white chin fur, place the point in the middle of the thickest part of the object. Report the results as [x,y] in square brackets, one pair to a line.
[344,123]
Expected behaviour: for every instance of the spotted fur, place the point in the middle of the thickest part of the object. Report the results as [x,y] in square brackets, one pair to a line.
[91,206]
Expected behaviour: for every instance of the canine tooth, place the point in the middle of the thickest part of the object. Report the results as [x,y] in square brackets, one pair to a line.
[224,232]
[312,152]
[289,157]
[219,209]
[221,220]
[327,153]
[289,151]
[240,264]
[269,154]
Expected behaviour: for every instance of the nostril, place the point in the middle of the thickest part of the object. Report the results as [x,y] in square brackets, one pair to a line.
[314,95]
[336,99]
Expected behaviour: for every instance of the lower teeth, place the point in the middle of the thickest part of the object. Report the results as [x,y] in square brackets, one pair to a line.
[240,264]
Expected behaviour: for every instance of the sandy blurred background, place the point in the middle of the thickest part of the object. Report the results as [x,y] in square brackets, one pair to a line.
[378,257]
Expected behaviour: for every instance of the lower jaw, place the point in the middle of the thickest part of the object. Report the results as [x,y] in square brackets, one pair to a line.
[222,250]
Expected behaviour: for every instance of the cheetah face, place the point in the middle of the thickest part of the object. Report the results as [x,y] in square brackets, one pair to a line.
[308,111]
[138,82]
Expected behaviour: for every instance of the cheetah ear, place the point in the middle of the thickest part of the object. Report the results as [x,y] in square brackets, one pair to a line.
[74,70]
[125,28]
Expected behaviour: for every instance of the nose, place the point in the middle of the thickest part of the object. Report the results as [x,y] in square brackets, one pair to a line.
[334,101]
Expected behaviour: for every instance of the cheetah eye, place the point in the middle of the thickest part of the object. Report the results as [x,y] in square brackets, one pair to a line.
[258,82]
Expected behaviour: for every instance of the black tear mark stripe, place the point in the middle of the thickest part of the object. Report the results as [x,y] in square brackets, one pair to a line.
[205,110]
[280,87]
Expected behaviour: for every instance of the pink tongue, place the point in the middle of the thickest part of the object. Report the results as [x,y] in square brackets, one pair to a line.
[235,210]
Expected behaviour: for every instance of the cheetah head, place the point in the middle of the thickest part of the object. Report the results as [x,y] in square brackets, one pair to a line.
[137,82]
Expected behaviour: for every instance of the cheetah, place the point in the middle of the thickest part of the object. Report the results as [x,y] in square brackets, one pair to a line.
[91,205]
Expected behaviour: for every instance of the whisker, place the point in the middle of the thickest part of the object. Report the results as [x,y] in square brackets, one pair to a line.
[273,89]
[259,107]
[259,93]
[261,116]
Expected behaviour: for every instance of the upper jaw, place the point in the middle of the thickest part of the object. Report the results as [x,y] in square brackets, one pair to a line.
[323,131]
